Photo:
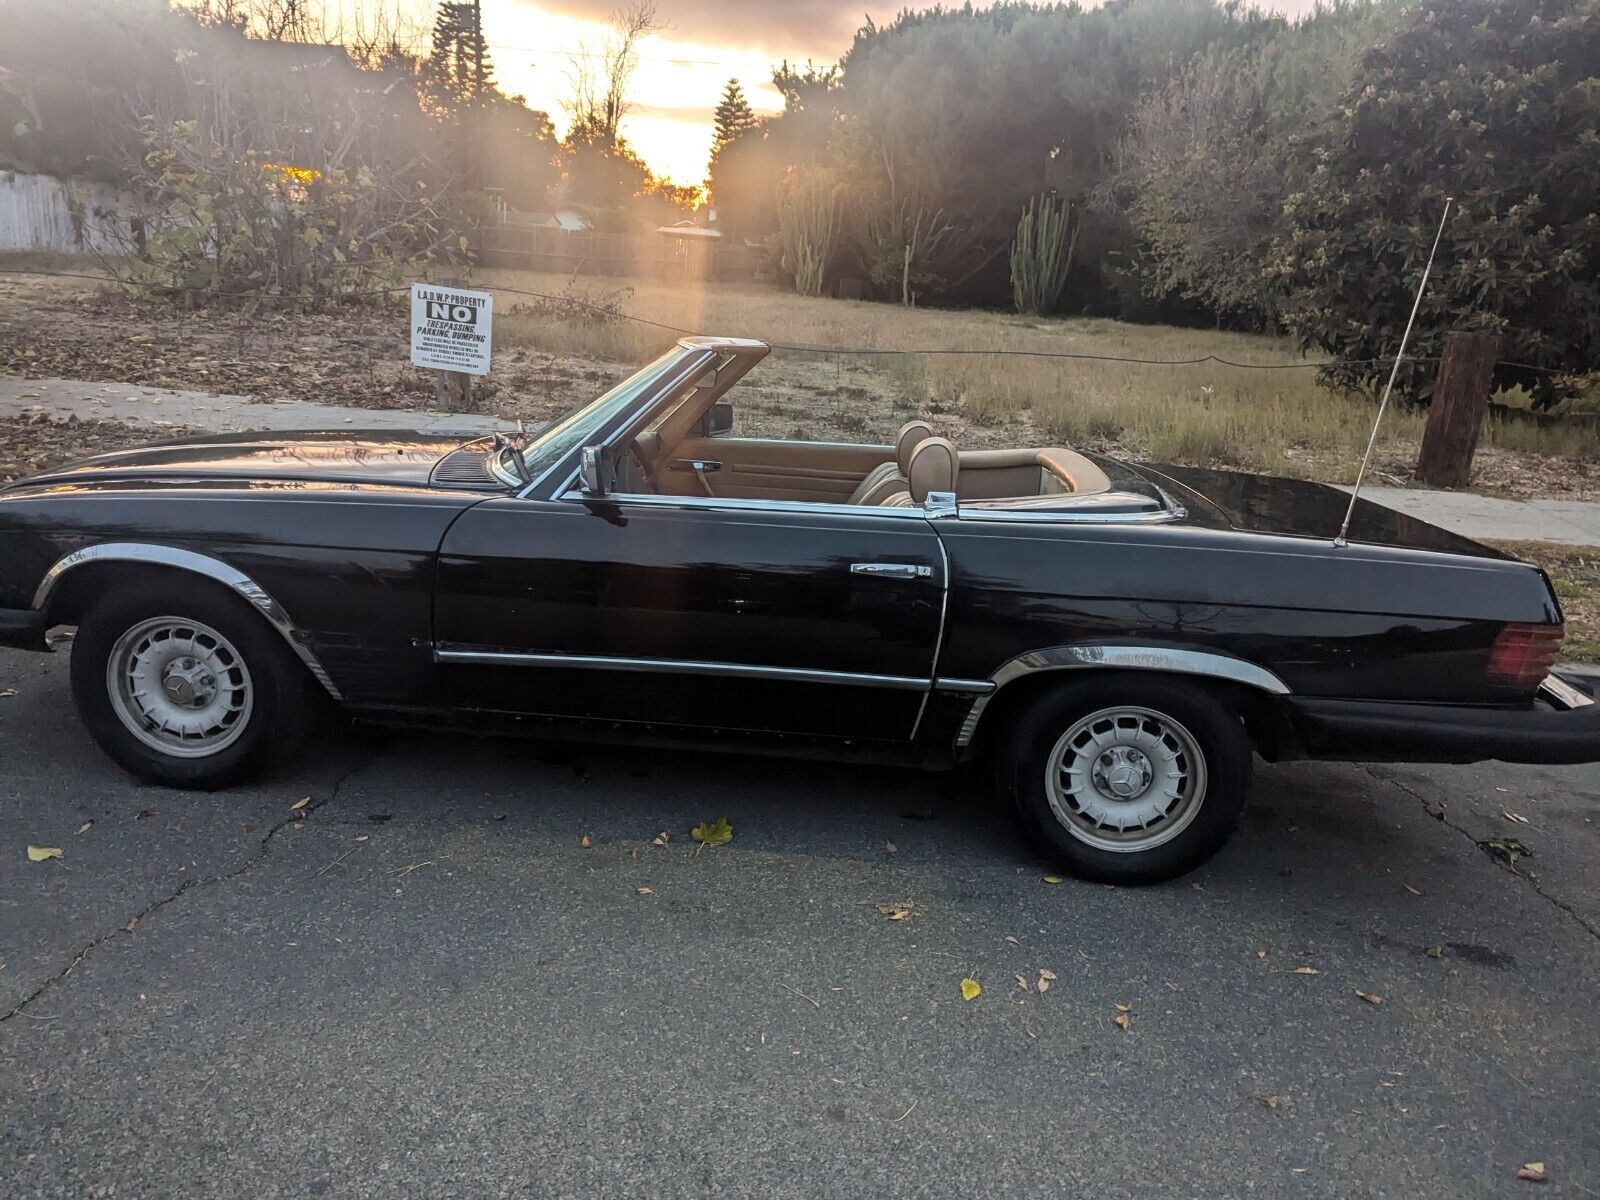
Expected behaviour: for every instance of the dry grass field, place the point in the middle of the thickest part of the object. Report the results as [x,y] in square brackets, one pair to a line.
[1280,421]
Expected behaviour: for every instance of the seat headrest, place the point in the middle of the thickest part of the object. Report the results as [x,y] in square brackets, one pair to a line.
[912,434]
[934,467]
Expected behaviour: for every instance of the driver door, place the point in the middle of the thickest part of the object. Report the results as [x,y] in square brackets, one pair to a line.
[688,611]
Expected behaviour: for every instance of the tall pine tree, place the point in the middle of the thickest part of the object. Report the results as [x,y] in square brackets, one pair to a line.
[458,72]
[733,117]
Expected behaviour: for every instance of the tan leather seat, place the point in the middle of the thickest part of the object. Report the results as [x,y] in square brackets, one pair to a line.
[934,467]
[885,480]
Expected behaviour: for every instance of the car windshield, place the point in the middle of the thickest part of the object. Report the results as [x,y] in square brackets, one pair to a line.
[575,429]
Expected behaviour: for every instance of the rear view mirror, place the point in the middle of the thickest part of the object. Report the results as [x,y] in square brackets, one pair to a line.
[719,420]
[591,471]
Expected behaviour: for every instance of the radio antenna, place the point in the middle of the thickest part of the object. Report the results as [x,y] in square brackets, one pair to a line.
[1372,440]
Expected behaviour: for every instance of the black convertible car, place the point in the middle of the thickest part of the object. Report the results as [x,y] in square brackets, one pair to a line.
[1116,639]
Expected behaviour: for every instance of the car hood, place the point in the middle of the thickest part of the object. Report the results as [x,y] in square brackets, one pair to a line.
[1299,508]
[393,458]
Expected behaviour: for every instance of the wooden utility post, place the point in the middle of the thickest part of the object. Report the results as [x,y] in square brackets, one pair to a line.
[1455,416]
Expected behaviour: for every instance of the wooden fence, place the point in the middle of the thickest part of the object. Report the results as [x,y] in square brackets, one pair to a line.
[586,252]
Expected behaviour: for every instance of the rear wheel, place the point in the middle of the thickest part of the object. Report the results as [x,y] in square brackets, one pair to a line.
[185,686]
[1133,780]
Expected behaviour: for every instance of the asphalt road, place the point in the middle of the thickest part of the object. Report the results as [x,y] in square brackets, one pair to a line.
[422,984]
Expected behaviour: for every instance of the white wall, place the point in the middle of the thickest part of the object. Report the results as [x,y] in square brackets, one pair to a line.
[36,213]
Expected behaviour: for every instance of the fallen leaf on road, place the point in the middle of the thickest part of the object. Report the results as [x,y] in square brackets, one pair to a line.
[1415,891]
[1022,982]
[1305,971]
[1516,818]
[644,891]
[144,814]
[714,833]
[1261,953]
[361,837]
[1121,1021]
[1012,940]
[970,990]
[660,839]
[1052,879]
[1271,1100]
[1508,850]
[40,853]
[585,842]
[1434,951]
[8,693]
[1370,998]
[1123,1007]
[895,912]
[85,827]
[1532,1172]
[133,923]
[891,847]
[300,803]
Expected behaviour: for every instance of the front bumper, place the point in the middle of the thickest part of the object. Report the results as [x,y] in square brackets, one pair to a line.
[23,628]
[1562,726]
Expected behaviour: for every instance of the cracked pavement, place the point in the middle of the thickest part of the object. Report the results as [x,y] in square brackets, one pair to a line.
[421,984]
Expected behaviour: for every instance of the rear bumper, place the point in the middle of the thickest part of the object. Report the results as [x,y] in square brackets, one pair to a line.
[1562,726]
[22,628]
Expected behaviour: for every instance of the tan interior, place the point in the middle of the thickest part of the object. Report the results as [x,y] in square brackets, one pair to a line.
[839,473]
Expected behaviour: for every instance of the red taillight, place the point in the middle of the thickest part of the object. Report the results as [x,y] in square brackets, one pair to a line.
[1522,655]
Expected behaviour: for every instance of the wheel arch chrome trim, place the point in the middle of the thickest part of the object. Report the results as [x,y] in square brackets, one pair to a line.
[196,564]
[1171,660]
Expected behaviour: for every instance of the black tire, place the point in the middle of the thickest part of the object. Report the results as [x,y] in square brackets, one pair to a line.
[284,698]
[1212,727]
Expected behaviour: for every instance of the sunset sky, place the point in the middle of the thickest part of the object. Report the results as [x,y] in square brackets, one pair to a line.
[684,67]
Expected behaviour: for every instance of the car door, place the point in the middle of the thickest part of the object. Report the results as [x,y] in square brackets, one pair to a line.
[736,615]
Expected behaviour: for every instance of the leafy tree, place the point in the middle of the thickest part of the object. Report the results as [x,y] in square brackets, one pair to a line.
[1205,168]
[1494,102]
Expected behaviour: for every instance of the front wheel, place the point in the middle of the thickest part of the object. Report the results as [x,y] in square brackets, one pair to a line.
[1127,780]
[185,686]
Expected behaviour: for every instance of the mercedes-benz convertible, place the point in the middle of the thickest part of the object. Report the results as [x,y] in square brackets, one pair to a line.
[1116,640]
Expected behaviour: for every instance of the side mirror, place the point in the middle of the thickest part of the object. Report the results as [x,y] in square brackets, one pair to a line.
[719,420]
[591,471]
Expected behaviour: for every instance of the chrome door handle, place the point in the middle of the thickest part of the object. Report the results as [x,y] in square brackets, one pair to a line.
[891,570]
[699,466]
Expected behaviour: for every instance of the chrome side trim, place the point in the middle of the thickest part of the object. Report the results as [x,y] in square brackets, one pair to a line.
[1170,659]
[1562,694]
[735,503]
[198,564]
[675,666]
[1062,516]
